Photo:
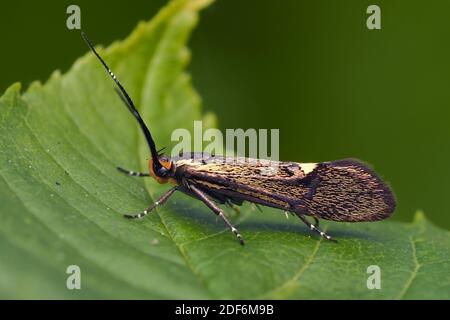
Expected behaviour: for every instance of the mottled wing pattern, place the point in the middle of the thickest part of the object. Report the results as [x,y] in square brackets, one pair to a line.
[347,190]
[260,181]
[344,190]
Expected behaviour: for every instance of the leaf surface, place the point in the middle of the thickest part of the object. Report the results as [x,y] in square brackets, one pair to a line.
[62,199]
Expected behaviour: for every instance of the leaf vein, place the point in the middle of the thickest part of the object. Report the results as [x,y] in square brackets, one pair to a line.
[294,279]
[414,272]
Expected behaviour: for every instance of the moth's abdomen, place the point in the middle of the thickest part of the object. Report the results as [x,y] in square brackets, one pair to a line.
[347,190]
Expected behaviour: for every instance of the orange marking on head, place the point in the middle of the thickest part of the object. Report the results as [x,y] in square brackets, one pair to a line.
[166,164]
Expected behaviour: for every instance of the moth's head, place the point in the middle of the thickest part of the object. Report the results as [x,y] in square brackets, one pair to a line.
[165,173]
[163,169]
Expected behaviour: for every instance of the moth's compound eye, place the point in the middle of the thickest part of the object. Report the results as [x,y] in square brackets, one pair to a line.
[162,172]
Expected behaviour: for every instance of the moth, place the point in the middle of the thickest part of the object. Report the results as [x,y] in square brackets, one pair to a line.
[344,190]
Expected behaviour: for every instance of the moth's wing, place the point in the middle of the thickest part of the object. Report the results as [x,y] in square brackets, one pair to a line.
[344,190]
[347,190]
[194,166]
[270,183]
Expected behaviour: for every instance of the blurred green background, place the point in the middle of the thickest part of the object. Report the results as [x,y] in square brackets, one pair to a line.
[310,68]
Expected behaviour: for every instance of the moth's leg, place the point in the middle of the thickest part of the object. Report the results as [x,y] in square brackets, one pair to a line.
[286,213]
[256,206]
[234,207]
[133,173]
[316,222]
[314,228]
[160,201]
[216,210]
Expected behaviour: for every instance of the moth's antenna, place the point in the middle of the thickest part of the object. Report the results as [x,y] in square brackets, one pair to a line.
[124,95]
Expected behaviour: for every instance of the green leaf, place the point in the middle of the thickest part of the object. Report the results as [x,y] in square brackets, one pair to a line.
[62,199]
